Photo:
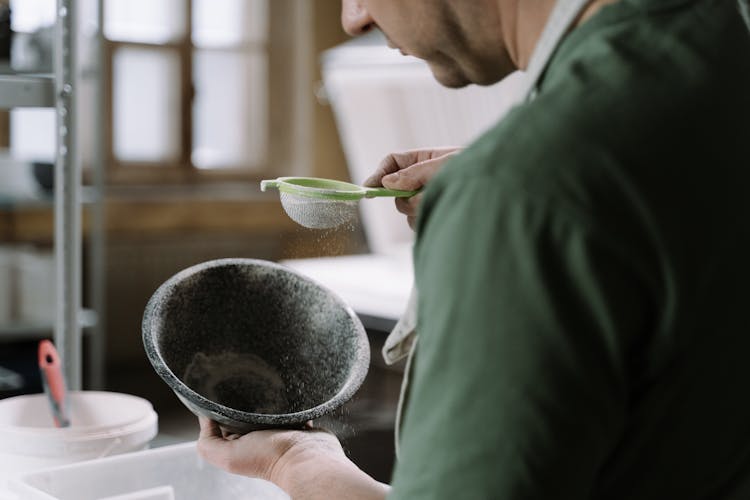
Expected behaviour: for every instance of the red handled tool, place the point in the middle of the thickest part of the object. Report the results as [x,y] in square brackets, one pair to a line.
[53,382]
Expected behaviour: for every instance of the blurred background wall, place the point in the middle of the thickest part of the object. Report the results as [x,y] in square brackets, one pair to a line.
[203,99]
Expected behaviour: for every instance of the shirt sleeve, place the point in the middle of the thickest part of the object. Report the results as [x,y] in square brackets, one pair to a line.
[528,316]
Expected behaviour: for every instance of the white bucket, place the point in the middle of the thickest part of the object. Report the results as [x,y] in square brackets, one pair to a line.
[102,424]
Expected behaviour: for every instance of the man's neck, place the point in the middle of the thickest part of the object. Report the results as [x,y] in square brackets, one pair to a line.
[523,22]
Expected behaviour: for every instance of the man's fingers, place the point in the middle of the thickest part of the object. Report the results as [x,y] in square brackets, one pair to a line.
[413,177]
[211,444]
[249,454]
[391,163]
[208,428]
[395,162]
[409,206]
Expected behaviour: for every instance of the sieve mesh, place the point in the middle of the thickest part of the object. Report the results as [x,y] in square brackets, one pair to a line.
[316,213]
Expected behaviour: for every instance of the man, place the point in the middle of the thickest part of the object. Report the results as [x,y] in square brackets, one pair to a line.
[582,268]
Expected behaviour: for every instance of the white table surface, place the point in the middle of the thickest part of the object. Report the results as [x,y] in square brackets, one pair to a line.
[376,286]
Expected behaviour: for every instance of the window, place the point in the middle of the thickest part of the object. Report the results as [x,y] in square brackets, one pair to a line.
[193,84]
[196,90]
[32,130]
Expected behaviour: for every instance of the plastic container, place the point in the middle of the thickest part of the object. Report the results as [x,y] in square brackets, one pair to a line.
[168,473]
[102,424]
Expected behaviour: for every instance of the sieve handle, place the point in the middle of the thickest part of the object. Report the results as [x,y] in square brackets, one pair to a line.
[395,193]
[268,183]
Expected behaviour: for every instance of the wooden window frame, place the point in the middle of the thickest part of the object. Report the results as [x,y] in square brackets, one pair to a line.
[288,47]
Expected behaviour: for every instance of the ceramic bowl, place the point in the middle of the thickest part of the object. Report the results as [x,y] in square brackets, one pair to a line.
[253,344]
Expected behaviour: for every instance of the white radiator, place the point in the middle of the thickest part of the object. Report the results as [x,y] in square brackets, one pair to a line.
[385,102]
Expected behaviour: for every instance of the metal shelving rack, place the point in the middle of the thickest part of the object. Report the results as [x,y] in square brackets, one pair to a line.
[68,254]
[59,91]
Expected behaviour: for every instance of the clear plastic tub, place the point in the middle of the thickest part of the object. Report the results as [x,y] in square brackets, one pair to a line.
[168,473]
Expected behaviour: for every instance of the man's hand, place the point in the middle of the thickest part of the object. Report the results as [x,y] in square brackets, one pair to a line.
[409,171]
[307,464]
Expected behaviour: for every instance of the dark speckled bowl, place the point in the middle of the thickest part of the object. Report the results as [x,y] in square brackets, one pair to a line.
[252,344]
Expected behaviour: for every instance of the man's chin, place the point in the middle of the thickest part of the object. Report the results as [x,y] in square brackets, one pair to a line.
[449,78]
[453,77]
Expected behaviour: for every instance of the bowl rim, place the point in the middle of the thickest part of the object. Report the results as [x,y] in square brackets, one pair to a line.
[352,383]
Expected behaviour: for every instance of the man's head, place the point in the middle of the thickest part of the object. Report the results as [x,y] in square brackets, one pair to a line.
[461,40]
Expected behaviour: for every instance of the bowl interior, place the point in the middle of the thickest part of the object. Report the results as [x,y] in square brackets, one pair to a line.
[256,338]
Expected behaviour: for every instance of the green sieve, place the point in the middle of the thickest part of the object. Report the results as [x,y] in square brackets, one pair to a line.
[324,203]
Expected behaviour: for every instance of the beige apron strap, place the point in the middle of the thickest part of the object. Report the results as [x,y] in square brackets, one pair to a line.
[398,344]
[404,396]
[401,343]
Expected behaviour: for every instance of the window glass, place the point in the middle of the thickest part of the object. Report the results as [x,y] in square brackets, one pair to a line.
[230,77]
[32,134]
[226,23]
[230,110]
[146,102]
[28,16]
[150,21]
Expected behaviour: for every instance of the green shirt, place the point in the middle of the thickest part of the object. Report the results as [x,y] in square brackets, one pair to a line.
[584,277]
